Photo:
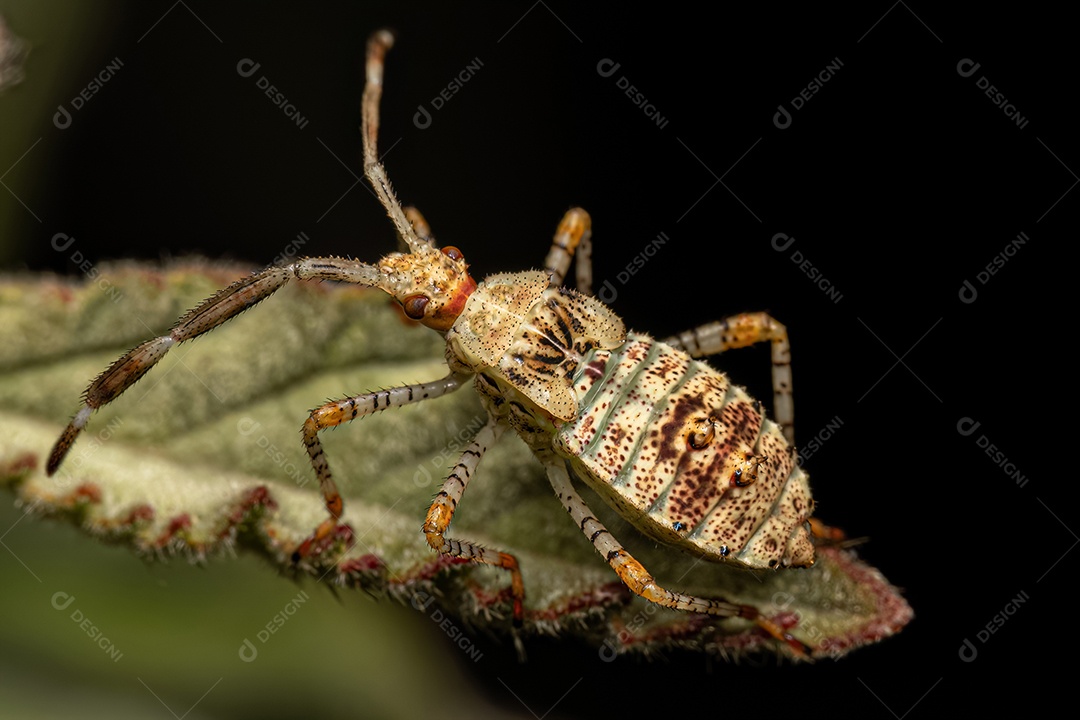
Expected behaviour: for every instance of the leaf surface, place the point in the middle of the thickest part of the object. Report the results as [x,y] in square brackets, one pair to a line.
[204,454]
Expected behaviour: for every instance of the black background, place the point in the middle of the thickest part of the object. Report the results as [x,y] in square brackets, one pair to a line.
[899,180]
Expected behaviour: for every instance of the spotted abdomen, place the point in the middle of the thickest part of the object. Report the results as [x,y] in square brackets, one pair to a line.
[687,457]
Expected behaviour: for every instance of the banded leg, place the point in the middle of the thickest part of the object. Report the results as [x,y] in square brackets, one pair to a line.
[741,331]
[442,510]
[637,578]
[209,314]
[337,412]
[574,235]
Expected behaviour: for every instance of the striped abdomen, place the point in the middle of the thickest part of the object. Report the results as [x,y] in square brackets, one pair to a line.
[687,457]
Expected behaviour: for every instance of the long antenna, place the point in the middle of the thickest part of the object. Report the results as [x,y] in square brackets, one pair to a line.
[378,44]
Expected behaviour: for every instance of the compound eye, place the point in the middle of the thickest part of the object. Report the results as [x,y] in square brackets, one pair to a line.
[452,252]
[415,305]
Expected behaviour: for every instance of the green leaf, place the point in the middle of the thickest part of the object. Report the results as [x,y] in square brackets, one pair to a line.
[204,454]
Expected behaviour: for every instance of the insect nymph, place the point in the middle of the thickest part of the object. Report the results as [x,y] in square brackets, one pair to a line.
[686,456]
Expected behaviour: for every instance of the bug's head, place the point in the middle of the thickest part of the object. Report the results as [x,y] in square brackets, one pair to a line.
[431,285]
